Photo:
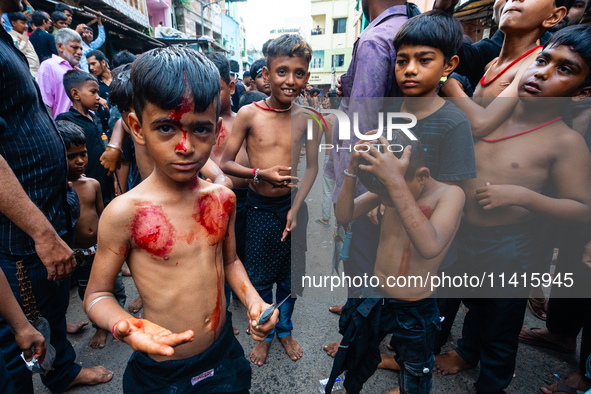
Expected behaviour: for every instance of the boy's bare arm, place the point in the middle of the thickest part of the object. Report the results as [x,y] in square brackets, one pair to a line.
[238,280]
[211,171]
[114,243]
[239,131]
[484,120]
[349,208]
[100,206]
[571,175]
[122,177]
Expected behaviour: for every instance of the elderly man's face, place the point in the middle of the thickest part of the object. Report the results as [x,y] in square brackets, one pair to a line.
[72,52]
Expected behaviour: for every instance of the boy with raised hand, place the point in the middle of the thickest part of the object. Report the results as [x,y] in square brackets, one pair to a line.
[274,129]
[176,232]
[529,151]
[419,223]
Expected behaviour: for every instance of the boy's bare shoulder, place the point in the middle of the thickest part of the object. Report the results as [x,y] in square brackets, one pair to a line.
[450,193]
[247,111]
[224,194]
[564,137]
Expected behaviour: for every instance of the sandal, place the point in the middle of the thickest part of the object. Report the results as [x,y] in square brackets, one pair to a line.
[319,221]
[538,307]
[562,387]
[530,337]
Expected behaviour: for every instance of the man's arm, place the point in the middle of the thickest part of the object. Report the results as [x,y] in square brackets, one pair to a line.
[571,175]
[26,335]
[57,257]
[51,44]
[100,40]
[113,249]
[46,83]
[111,158]
[238,280]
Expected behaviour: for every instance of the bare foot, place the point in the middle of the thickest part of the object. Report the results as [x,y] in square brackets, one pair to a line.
[451,363]
[259,352]
[395,391]
[292,348]
[388,362]
[336,309]
[75,328]
[125,271]
[332,349]
[99,339]
[236,332]
[136,305]
[575,381]
[92,376]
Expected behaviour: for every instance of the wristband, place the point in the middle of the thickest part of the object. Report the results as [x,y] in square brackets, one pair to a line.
[256,175]
[254,172]
[349,175]
[115,147]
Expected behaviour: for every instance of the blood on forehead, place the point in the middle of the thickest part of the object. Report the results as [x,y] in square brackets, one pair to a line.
[176,115]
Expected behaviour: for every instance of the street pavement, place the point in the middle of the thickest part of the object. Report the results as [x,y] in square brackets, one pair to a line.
[314,327]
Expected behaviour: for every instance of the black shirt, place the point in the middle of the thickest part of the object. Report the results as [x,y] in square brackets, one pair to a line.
[32,148]
[94,146]
[103,113]
[238,92]
[44,44]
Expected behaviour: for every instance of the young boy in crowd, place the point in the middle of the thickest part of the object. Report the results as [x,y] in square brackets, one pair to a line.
[420,220]
[82,89]
[178,265]
[256,73]
[59,20]
[499,233]
[273,130]
[20,34]
[91,207]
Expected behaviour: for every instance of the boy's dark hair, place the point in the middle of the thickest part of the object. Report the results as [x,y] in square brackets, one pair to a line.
[121,90]
[17,16]
[38,18]
[245,75]
[418,159]
[164,76]
[123,57]
[63,7]
[578,39]
[266,46]
[74,79]
[436,29]
[257,67]
[71,133]
[250,97]
[98,55]
[334,99]
[291,45]
[222,64]
[57,16]
[315,90]
[234,66]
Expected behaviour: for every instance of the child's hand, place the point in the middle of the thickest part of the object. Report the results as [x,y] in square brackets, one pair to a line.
[384,164]
[29,339]
[111,160]
[272,176]
[289,226]
[356,154]
[144,336]
[498,196]
[259,333]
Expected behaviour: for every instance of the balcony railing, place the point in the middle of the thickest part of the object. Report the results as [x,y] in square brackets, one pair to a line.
[318,32]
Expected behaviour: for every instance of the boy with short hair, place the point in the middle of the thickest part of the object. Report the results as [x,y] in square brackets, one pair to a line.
[91,207]
[273,130]
[82,89]
[59,20]
[531,150]
[419,222]
[256,73]
[179,262]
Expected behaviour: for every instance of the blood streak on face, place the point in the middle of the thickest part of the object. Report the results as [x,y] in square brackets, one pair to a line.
[212,212]
[176,115]
[151,230]
[427,211]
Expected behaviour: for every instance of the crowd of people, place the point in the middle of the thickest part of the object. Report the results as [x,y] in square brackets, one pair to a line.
[172,164]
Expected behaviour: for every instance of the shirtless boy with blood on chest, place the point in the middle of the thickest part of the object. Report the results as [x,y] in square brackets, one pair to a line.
[177,233]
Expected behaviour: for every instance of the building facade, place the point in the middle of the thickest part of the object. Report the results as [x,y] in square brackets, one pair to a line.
[332,37]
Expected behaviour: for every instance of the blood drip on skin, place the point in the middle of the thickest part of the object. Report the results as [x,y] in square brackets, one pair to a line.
[176,115]
[212,214]
[427,211]
[123,250]
[404,269]
[223,134]
[151,230]
[215,316]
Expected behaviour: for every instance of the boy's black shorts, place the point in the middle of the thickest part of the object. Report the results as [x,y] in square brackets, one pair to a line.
[220,369]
